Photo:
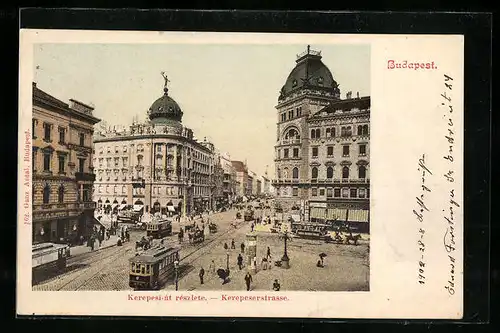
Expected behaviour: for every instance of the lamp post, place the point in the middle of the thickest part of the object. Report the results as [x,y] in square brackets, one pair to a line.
[227,260]
[176,267]
[285,260]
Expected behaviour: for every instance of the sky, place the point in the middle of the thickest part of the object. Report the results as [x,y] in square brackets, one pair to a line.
[227,92]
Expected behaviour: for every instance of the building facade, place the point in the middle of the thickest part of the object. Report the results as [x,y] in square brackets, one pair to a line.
[322,145]
[62,168]
[241,172]
[155,165]
[266,185]
[229,178]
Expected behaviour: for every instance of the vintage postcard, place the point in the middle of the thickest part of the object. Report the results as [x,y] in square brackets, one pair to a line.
[240,175]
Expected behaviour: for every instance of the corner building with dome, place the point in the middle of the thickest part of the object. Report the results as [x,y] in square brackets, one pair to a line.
[322,146]
[154,166]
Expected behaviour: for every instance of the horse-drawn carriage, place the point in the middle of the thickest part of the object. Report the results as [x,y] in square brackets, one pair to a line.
[346,239]
[212,227]
[196,236]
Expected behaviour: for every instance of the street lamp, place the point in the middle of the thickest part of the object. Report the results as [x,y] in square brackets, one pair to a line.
[285,260]
[227,260]
[176,267]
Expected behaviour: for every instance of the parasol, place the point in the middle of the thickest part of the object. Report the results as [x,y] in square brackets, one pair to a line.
[322,255]
[222,273]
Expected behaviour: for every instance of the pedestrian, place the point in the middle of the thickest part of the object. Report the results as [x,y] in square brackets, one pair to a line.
[255,263]
[276,285]
[240,261]
[211,268]
[268,252]
[225,246]
[232,245]
[319,264]
[248,280]
[242,247]
[99,238]
[202,273]
[252,226]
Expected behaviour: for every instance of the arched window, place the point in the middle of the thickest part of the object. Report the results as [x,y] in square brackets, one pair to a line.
[60,194]
[362,172]
[46,194]
[318,133]
[360,130]
[314,173]
[365,129]
[345,172]
[329,173]
[295,173]
[333,132]
[313,134]
[285,173]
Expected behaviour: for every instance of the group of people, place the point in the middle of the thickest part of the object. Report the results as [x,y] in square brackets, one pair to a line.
[123,236]
[97,235]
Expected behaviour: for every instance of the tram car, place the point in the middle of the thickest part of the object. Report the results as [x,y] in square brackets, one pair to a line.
[159,228]
[48,257]
[311,231]
[152,268]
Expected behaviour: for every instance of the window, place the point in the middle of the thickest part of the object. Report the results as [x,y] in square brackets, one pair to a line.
[82,139]
[314,173]
[81,164]
[345,172]
[349,131]
[60,194]
[295,152]
[295,192]
[367,192]
[290,114]
[46,131]
[363,130]
[361,193]
[314,191]
[336,193]
[360,129]
[362,172]
[61,163]
[329,173]
[278,172]
[46,161]
[328,131]
[313,134]
[321,191]
[62,135]
[33,161]
[354,193]
[117,161]
[158,148]
[315,152]
[329,151]
[125,161]
[34,122]
[345,151]
[295,173]
[329,192]
[332,132]
[345,193]
[283,116]
[285,153]
[46,194]
[362,150]
[318,133]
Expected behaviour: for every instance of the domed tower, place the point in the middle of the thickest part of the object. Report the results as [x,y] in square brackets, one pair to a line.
[309,87]
[165,110]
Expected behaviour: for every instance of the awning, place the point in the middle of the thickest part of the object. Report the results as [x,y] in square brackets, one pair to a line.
[358,215]
[122,206]
[137,208]
[171,208]
[329,214]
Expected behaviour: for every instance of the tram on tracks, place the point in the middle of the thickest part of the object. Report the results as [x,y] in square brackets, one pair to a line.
[49,257]
[159,228]
[311,230]
[153,267]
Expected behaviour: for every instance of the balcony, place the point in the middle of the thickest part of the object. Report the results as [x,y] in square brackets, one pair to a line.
[290,141]
[84,176]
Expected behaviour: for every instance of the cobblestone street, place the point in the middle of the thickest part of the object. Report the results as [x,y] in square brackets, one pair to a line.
[345,267]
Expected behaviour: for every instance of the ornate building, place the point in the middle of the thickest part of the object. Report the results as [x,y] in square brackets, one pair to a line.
[157,165]
[241,172]
[322,145]
[62,168]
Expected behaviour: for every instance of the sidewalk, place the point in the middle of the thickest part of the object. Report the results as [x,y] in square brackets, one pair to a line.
[81,249]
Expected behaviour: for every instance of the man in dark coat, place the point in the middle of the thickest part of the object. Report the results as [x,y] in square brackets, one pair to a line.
[240,261]
[248,280]
[242,247]
[276,285]
[202,273]
[232,244]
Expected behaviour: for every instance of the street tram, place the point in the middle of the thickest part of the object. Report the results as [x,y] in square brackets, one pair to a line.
[152,268]
[48,257]
[310,230]
[159,228]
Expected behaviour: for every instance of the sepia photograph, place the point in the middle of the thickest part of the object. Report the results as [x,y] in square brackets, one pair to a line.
[201,167]
[221,174]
